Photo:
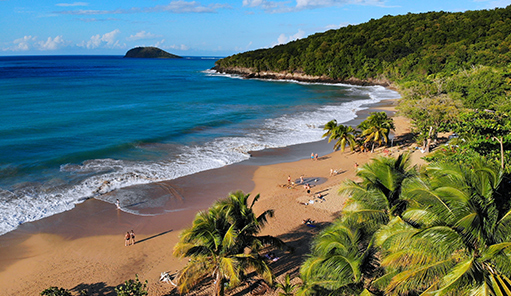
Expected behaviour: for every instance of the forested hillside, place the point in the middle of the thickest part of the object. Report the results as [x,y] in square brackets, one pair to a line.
[395,46]
[446,66]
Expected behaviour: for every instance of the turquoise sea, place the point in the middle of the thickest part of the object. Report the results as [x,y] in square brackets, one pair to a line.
[76,127]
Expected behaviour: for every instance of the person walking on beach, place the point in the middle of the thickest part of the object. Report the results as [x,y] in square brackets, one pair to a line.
[301,179]
[316,156]
[288,180]
[127,238]
[312,155]
[118,204]
[132,236]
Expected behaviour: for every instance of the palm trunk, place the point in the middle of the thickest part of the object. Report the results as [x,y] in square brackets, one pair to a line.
[219,286]
[429,139]
[501,142]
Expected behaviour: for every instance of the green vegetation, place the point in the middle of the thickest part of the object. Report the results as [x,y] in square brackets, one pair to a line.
[393,47]
[132,288]
[444,231]
[447,67]
[222,244]
[374,130]
[55,291]
[149,53]
[286,287]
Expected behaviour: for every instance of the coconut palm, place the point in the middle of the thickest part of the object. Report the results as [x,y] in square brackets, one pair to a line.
[343,134]
[378,197]
[329,127]
[376,128]
[222,243]
[286,287]
[242,216]
[460,241]
[340,263]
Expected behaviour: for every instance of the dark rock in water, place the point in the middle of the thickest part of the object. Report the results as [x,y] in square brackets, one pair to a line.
[150,53]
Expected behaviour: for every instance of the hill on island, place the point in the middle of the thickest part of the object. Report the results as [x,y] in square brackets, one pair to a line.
[150,52]
[411,45]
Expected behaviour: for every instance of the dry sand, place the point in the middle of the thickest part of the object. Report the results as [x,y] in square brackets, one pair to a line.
[83,249]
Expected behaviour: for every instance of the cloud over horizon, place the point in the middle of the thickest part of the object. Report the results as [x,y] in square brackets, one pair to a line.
[142,35]
[283,6]
[178,6]
[107,40]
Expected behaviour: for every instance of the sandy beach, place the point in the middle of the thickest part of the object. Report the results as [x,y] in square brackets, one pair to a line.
[83,249]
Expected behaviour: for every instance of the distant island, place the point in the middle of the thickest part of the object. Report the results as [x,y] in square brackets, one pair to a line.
[148,52]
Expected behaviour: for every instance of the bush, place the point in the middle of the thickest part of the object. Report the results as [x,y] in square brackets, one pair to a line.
[132,288]
[55,291]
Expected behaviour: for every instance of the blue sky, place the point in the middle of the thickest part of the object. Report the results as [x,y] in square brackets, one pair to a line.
[189,27]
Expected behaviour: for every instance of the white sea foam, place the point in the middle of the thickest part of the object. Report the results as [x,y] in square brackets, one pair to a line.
[35,202]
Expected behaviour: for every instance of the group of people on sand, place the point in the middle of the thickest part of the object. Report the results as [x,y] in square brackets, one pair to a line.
[129,238]
[314,156]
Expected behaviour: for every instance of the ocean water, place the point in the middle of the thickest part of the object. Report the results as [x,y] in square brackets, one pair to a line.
[76,127]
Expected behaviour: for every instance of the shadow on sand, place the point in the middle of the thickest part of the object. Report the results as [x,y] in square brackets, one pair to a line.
[97,289]
[154,236]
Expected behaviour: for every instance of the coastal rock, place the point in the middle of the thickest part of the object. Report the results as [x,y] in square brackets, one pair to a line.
[150,53]
[299,76]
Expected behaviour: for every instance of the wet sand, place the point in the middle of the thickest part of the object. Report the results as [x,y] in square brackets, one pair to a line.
[84,248]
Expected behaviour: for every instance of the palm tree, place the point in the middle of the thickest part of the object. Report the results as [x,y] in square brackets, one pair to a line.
[286,287]
[242,216]
[459,239]
[378,197]
[343,134]
[376,128]
[222,243]
[341,261]
[329,127]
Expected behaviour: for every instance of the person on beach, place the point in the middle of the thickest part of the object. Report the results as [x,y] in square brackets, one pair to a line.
[356,165]
[331,172]
[301,179]
[288,180]
[132,237]
[316,156]
[127,239]
[118,204]
[312,155]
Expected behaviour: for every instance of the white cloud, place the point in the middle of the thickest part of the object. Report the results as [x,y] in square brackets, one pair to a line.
[179,6]
[341,25]
[270,6]
[51,44]
[31,42]
[283,6]
[285,39]
[178,47]
[106,40]
[22,44]
[96,12]
[159,43]
[142,35]
[72,4]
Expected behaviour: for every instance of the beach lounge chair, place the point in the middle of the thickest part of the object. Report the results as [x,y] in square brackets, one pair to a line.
[167,278]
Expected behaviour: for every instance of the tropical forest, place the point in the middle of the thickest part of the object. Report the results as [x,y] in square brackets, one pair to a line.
[439,229]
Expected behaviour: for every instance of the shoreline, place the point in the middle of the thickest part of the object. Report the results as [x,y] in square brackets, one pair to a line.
[95,226]
[301,77]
